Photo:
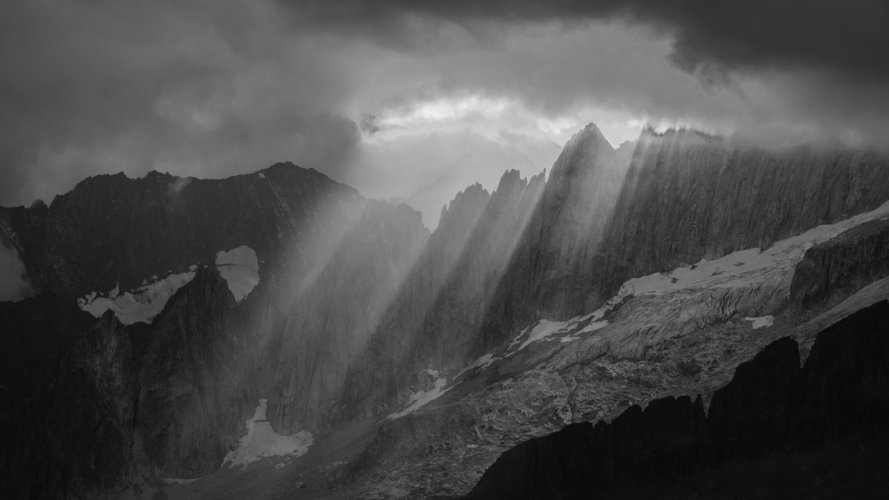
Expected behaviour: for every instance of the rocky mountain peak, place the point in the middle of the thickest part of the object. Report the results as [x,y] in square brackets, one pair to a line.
[583,155]
[464,209]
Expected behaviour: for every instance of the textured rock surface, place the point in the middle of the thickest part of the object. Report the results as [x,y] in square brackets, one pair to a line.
[112,230]
[197,379]
[67,400]
[689,196]
[330,324]
[676,333]
[355,311]
[836,268]
[750,415]
[432,323]
[843,390]
[328,262]
[548,274]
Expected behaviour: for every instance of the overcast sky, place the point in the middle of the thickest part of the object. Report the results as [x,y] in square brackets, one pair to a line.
[415,99]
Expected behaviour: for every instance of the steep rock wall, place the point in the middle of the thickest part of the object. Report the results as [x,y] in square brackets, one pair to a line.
[689,196]
[114,231]
[67,401]
[770,406]
[378,374]
[835,269]
[329,325]
[548,274]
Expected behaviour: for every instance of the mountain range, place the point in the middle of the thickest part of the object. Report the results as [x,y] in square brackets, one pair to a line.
[277,334]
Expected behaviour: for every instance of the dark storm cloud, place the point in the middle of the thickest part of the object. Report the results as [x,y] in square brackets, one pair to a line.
[216,87]
[849,38]
[197,88]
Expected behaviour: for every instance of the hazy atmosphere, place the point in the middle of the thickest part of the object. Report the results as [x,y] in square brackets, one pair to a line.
[444,250]
[415,100]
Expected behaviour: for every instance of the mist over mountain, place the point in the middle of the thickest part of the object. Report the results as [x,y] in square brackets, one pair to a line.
[277,333]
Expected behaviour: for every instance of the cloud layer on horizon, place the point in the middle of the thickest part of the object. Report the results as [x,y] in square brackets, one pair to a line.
[216,88]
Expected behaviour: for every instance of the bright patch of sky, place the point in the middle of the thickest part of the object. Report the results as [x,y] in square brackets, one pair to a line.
[13,285]
[240,269]
[494,117]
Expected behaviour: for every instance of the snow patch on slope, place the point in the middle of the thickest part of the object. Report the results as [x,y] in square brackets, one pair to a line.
[262,441]
[422,398]
[543,329]
[742,266]
[481,363]
[761,321]
[240,269]
[139,305]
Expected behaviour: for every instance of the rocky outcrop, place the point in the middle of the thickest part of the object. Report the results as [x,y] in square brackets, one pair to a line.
[114,231]
[751,415]
[449,329]
[198,379]
[432,324]
[604,216]
[844,386]
[771,406]
[378,375]
[689,196]
[329,263]
[837,268]
[548,274]
[582,460]
[67,401]
[330,325]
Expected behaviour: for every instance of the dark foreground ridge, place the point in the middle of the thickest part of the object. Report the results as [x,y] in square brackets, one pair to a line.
[775,431]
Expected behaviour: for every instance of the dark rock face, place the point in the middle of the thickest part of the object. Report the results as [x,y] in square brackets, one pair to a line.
[834,269]
[114,230]
[548,274]
[666,438]
[750,415]
[67,400]
[449,329]
[844,386]
[197,379]
[330,325]
[689,196]
[171,398]
[356,298]
[432,323]
[771,406]
[378,374]
[604,216]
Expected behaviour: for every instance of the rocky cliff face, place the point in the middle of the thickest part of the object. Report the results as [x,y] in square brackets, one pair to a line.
[770,405]
[548,274]
[68,395]
[359,310]
[378,375]
[606,216]
[689,196]
[170,398]
[430,327]
[836,268]
[330,325]
[114,231]
[448,333]
[198,378]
